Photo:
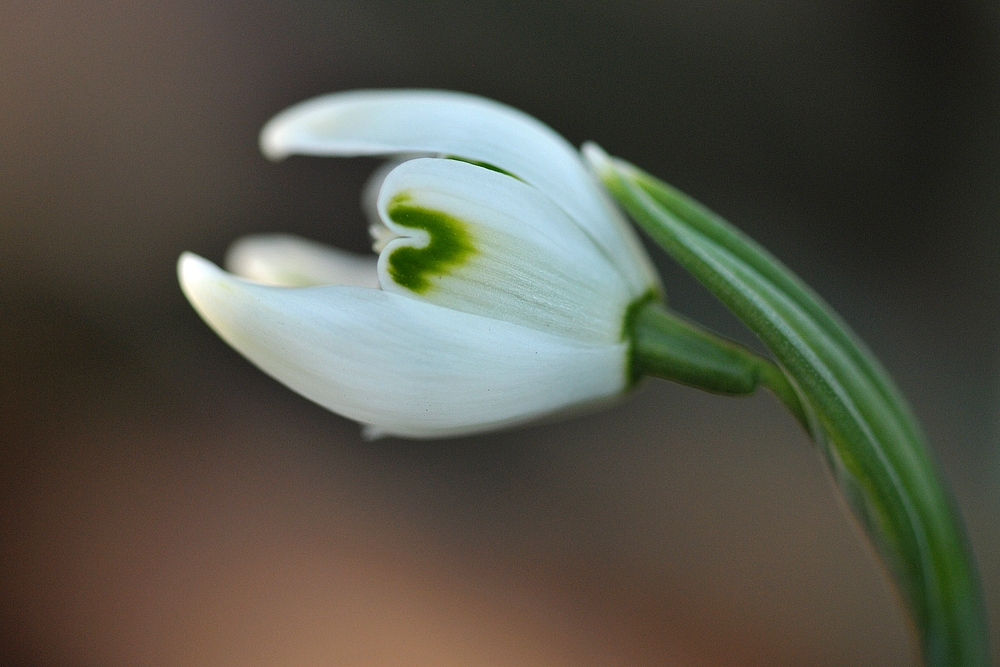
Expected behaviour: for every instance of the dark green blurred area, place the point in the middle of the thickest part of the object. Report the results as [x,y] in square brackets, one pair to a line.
[165,503]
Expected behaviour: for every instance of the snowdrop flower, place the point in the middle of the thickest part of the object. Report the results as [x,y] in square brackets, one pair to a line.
[503,283]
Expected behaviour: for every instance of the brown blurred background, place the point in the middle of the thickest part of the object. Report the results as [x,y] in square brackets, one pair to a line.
[164,503]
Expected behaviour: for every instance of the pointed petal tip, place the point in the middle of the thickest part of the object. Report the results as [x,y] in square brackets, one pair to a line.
[601,163]
[371,433]
[192,269]
[595,156]
[202,282]
[273,142]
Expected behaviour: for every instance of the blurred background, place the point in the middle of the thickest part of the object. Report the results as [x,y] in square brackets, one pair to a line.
[164,503]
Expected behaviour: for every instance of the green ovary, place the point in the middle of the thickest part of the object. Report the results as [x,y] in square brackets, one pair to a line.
[450,245]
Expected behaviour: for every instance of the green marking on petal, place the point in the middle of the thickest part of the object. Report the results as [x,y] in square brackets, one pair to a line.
[484,165]
[450,245]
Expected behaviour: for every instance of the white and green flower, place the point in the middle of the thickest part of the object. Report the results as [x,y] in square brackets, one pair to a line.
[500,293]
[507,287]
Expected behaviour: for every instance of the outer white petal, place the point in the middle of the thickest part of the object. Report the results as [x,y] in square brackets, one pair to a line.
[292,261]
[524,259]
[389,122]
[404,366]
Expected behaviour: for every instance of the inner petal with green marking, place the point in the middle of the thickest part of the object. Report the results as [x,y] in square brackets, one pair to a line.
[473,239]
[449,245]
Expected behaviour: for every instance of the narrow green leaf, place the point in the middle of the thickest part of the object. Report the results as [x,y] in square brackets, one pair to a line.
[864,427]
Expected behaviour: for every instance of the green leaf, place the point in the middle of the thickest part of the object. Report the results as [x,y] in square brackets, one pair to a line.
[867,432]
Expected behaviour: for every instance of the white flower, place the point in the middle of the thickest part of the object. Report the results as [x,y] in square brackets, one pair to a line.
[500,293]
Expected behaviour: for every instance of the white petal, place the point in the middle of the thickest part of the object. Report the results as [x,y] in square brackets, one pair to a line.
[502,250]
[291,261]
[403,366]
[391,122]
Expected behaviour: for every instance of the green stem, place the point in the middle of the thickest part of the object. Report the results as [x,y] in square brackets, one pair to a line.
[668,346]
[870,438]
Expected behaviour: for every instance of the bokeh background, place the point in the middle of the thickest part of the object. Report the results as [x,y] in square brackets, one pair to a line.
[164,503]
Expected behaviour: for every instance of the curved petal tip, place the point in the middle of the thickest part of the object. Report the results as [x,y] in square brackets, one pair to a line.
[192,270]
[200,279]
[595,156]
[273,140]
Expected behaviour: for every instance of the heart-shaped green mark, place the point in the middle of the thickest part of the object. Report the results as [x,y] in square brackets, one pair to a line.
[450,245]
